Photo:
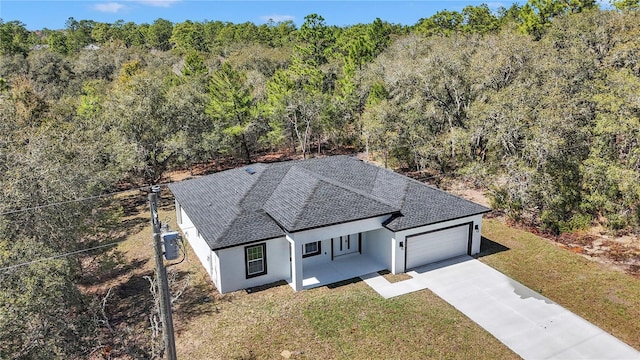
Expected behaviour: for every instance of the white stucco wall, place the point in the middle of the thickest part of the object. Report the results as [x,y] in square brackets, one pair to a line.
[332,231]
[323,257]
[400,237]
[185,222]
[233,275]
[208,258]
[227,270]
[378,245]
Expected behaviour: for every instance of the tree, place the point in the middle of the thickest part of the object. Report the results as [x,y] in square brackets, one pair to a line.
[499,119]
[479,19]
[315,40]
[37,304]
[379,33]
[232,109]
[443,22]
[43,313]
[51,73]
[279,95]
[626,5]
[132,35]
[536,15]
[282,33]
[261,58]
[13,38]
[194,65]
[95,65]
[137,107]
[297,109]
[101,33]
[78,34]
[189,101]
[187,36]
[57,42]
[159,35]
[612,169]
[378,125]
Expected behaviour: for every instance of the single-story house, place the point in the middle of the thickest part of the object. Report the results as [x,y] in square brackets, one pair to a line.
[294,220]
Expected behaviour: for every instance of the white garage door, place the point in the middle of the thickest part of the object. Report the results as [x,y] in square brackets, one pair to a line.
[436,246]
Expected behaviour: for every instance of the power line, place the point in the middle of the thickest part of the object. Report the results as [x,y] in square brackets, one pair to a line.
[38,207]
[15,266]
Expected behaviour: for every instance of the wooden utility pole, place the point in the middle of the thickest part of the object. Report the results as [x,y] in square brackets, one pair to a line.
[161,279]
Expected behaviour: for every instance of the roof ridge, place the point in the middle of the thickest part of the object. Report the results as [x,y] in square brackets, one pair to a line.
[347,187]
[297,216]
[314,188]
[237,218]
[392,173]
[264,167]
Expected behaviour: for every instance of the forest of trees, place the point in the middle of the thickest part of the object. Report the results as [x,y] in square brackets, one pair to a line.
[538,104]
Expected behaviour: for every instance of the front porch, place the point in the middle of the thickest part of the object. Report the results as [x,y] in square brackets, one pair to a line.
[341,268]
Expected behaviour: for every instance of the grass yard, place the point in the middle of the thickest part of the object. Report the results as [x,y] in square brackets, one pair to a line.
[352,321]
[608,298]
[345,322]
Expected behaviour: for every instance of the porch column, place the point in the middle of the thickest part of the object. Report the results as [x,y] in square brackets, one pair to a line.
[397,254]
[296,264]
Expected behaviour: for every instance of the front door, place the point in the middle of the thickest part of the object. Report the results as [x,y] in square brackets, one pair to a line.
[345,244]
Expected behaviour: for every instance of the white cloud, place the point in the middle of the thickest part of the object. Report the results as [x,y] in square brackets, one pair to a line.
[158,3]
[111,7]
[277,18]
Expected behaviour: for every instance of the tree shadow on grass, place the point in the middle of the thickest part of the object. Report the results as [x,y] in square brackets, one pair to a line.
[131,303]
[490,247]
[134,203]
[135,225]
[110,267]
[128,307]
[194,298]
[132,300]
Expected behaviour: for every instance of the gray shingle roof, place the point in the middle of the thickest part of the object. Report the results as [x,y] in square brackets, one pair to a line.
[234,207]
[306,200]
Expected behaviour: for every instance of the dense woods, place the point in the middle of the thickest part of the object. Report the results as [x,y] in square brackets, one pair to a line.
[539,104]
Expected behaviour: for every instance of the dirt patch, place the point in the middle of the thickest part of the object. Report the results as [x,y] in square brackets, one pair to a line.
[394,278]
[621,253]
[200,169]
[475,195]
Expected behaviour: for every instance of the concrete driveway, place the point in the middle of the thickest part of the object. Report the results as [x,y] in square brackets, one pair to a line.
[531,325]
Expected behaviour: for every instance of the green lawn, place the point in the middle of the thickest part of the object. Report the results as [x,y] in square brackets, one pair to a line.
[346,322]
[608,298]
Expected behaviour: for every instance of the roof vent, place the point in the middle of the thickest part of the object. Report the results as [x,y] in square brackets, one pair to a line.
[250,170]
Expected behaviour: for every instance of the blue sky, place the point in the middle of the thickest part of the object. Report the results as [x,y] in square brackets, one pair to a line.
[52,14]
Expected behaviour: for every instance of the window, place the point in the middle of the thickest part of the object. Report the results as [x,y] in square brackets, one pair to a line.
[256,260]
[311,249]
